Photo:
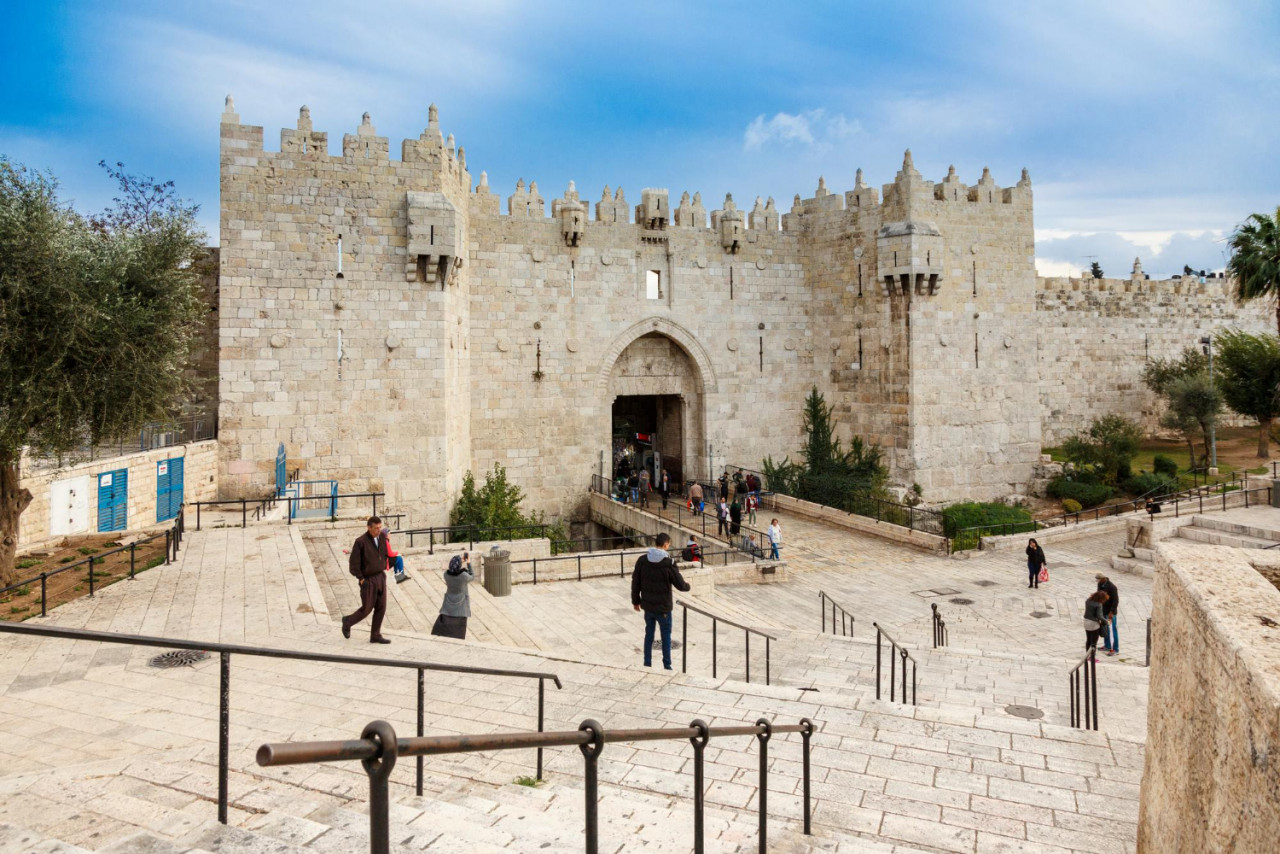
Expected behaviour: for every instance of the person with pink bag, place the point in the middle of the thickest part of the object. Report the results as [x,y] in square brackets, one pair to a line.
[1037,566]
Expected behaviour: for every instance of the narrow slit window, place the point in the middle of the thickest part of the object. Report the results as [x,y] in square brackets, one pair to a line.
[653,284]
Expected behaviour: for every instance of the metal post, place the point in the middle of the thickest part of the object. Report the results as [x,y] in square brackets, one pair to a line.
[90,575]
[713,647]
[379,770]
[893,671]
[166,546]
[684,637]
[766,660]
[132,556]
[44,594]
[904,676]
[197,515]
[421,719]
[699,742]
[244,513]
[1093,674]
[375,504]
[877,662]
[746,633]
[622,568]
[579,567]
[913,683]
[1071,694]
[541,689]
[804,737]
[535,570]
[224,731]
[590,756]
[763,737]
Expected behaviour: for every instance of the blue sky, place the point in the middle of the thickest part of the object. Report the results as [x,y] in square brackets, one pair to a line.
[1149,128]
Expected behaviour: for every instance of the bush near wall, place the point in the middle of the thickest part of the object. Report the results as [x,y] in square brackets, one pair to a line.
[1088,494]
[1148,483]
[1164,465]
[1000,518]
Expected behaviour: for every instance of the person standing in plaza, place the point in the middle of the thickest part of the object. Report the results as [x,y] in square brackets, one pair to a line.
[775,538]
[644,488]
[1035,563]
[724,487]
[1110,633]
[651,582]
[456,608]
[722,518]
[695,497]
[753,501]
[735,517]
[664,488]
[368,563]
[1095,616]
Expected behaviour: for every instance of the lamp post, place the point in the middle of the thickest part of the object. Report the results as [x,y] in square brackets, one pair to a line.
[1206,344]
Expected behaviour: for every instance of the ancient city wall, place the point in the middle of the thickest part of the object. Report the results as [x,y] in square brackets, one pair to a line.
[1211,781]
[1092,338]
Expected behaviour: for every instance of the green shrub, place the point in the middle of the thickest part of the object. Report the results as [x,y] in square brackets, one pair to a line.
[1088,494]
[1070,505]
[1148,483]
[1165,466]
[972,514]
[28,563]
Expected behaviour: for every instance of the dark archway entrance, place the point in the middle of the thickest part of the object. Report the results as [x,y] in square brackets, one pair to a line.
[648,435]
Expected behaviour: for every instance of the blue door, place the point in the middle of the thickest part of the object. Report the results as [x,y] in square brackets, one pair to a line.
[168,488]
[282,477]
[113,500]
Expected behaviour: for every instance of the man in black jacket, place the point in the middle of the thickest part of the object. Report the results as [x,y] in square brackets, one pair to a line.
[651,582]
[369,565]
[1110,632]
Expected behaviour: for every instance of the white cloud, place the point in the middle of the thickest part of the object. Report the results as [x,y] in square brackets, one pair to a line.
[810,128]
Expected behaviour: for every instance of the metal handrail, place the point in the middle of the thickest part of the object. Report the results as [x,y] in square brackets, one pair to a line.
[896,651]
[1176,499]
[261,504]
[172,543]
[698,521]
[715,620]
[445,531]
[379,747]
[846,618]
[1084,715]
[226,650]
[940,634]
[622,556]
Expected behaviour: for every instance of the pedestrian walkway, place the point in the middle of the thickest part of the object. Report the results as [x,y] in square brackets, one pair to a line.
[98,747]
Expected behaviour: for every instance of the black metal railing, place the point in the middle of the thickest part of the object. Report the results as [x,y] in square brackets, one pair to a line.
[172,544]
[1148,661]
[225,651]
[855,503]
[150,437]
[715,621]
[709,558]
[471,534]
[261,506]
[1218,495]
[846,618]
[378,749]
[939,627]
[896,652]
[691,520]
[1084,703]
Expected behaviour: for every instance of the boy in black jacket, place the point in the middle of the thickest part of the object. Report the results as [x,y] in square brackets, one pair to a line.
[651,582]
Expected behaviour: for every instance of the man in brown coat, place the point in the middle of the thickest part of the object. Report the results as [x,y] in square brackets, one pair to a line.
[369,564]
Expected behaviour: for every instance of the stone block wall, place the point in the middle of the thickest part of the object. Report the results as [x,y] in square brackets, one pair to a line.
[1092,338]
[199,484]
[1212,780]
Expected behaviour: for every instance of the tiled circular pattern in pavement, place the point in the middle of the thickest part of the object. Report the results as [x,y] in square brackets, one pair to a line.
[1031,713]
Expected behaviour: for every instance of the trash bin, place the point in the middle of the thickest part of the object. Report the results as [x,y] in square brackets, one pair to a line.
[497,572]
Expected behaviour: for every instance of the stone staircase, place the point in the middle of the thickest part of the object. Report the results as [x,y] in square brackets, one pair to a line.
[1213,530]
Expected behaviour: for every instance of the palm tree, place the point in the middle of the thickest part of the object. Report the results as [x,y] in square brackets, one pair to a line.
[1255,258]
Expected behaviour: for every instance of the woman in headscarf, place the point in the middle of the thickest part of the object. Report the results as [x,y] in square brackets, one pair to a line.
[456,608]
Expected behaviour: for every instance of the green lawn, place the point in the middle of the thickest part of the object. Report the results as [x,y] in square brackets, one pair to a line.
[1144,461]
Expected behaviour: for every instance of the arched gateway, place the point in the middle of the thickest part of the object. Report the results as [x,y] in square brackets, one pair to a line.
[656,378]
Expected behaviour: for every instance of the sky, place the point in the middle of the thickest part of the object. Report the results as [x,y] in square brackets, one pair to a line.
[1149,128]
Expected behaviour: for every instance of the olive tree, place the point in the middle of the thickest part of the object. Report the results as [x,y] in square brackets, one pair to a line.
[1247,371]
[97,318]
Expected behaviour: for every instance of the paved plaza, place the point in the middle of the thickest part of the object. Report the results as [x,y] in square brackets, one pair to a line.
[103,753]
